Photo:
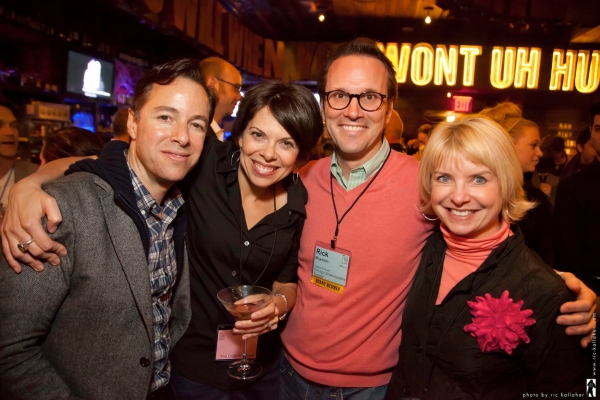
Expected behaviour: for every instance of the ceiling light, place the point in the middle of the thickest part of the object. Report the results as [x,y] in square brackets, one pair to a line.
[428,18]
[451,118]
[321,14]
[448,95]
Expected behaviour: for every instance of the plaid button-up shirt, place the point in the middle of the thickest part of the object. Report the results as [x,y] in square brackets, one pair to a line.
[162,267]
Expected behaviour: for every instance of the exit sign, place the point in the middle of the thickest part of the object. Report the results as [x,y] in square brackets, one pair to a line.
[462,104]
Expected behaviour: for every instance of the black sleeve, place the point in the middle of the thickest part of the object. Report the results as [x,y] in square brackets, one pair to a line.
[556,361]
[569,253]
[537,226]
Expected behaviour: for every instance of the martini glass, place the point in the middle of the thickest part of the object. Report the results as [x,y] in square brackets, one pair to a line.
[241,301]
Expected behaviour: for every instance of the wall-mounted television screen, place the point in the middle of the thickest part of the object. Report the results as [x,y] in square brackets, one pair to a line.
[89,76]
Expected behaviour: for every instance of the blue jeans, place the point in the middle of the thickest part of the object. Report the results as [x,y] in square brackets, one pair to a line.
[294,387]
[266,388]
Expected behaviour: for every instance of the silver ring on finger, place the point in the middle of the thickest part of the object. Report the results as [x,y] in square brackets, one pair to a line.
[269,324]
[25,245]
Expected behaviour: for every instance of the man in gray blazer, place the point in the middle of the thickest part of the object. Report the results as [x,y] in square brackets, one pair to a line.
[101,325]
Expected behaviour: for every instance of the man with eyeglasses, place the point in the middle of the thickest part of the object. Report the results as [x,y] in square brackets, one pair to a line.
[226,81]
[361,242]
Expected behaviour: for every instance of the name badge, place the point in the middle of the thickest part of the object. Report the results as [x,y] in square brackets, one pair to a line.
[230,346]
[330,267]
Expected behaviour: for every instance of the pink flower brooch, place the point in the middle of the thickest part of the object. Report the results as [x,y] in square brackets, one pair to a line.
[498,323]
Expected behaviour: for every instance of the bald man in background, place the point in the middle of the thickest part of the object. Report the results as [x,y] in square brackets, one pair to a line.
[226,81]
[393,132]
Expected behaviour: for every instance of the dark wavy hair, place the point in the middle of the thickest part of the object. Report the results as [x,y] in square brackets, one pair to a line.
[584,136]
[71,142]
[293,106]
[166,73]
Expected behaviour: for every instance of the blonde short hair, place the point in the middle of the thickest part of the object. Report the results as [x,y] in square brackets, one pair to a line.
[481,141]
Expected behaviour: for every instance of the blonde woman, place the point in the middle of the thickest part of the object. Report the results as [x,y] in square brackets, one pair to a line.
[479,321]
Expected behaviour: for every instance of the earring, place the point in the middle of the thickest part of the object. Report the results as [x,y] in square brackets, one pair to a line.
[238,151]
[295,176]
[429,219]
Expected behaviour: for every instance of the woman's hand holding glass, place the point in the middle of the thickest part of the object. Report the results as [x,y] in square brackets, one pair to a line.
[260,322]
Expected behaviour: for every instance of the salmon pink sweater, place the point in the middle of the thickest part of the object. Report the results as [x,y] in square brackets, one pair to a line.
[352,339]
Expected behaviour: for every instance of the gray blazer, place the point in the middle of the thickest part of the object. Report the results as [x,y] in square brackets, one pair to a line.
[84,329]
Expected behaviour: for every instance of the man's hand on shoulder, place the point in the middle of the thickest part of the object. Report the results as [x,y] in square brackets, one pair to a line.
[579,315]
[27,205]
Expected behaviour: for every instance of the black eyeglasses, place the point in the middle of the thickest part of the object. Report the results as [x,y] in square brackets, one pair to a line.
[237,87]
[368,101]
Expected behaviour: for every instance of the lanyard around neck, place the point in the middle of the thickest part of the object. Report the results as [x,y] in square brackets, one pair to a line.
[338,221]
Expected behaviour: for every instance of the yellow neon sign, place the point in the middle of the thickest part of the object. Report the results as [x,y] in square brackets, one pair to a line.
[470,52]
[421,67]
[402,70]
[591,83]
[564,71]
[391,52]
[446,64]
[502,75]
[528,63]
[510,66]
[399,61]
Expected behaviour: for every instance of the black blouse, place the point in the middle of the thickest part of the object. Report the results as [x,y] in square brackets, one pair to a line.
[216,233]
[536,225]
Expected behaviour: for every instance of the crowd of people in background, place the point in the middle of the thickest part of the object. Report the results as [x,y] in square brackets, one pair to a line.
[418,252]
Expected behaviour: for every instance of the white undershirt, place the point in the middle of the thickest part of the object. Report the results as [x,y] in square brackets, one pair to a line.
[218,131]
